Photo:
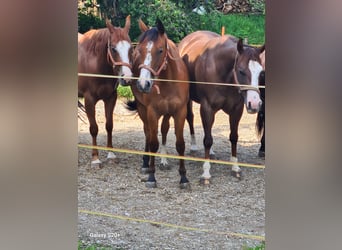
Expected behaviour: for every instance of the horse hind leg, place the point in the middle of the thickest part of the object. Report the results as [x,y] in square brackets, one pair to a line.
[208,117]
[190,120]
[165,126]
[262,146]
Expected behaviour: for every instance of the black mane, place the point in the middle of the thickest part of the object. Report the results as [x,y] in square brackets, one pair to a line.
[150,35]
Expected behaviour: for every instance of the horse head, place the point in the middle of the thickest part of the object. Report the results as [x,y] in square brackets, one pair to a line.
[119,51]
[150,55]
[247,68]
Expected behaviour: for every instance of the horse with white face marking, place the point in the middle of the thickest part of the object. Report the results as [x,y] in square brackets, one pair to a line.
[211,57]
[156,57]
[106,51]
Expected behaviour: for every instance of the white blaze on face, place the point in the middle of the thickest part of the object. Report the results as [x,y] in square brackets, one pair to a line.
[252,96]
[123,49]
[144,73]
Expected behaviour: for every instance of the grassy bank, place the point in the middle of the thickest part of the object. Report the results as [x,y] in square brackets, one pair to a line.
[244,26]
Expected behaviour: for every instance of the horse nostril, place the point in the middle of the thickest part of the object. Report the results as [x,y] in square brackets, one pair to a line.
[148,84]
[249,105]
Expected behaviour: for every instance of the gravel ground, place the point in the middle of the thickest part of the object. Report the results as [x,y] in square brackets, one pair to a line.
[226,205]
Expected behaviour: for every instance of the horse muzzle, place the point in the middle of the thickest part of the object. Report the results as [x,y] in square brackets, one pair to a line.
[253,102]
[125,77]
[144,86]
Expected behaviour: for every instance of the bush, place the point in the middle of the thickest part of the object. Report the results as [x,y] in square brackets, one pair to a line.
[89,21]
[174,17]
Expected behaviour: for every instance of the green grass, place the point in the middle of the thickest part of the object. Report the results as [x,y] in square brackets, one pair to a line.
[95,247]
[260,247]
[239,25]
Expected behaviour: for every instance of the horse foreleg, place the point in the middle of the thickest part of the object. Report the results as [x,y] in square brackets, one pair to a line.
[208,117]
[146,158]
[89,105]
[165,126]
[109,105]
[233,137]
[180,147]
[153,146]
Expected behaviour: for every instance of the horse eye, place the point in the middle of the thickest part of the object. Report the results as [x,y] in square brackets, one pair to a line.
[113,49]
[160,50]
[242,72]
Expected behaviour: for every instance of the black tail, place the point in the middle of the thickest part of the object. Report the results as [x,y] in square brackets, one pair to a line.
[260,122]
[131,105]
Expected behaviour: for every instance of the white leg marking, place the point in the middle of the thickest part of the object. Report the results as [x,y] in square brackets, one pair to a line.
[206,169]
[211,151]
[95,162]
[163,151]
[235,167]
[193,145]
[111,155]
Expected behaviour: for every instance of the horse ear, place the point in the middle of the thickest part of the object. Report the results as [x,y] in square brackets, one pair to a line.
[261,49]
[109,25]
[240,46]
[142,25]
[160,26]
[128,23]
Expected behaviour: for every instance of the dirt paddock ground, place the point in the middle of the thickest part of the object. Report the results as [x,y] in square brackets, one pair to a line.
[225,206]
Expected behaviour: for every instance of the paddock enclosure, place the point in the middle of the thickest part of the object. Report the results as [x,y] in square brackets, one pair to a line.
[118,211]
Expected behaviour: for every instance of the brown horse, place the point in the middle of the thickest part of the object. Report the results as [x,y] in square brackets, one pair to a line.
[224,59]
[156,57]
[104,51]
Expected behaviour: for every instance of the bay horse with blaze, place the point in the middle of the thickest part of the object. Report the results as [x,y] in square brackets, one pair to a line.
[221,59]
[105,51]
[156,57]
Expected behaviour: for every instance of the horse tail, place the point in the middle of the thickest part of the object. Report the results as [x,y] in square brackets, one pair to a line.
[260,122]
[131,105]
[81,112]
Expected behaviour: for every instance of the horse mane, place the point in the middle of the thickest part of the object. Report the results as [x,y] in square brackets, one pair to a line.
[151,34]
[95,40]
[173,50]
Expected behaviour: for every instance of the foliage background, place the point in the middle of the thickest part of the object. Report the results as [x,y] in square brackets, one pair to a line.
[179,19]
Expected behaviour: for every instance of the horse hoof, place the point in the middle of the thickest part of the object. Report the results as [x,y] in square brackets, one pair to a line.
[204,181]
[185,185]
[237,174]
[151,184]
[261,154]
[96,164]
[144,170]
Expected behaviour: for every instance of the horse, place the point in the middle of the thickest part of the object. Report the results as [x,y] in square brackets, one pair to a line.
[260,120]
[156,57]
[105,51]
[221,59]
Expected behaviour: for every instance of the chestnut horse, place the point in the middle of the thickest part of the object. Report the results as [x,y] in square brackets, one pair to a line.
[156,57]
[104,51]
[224,59]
